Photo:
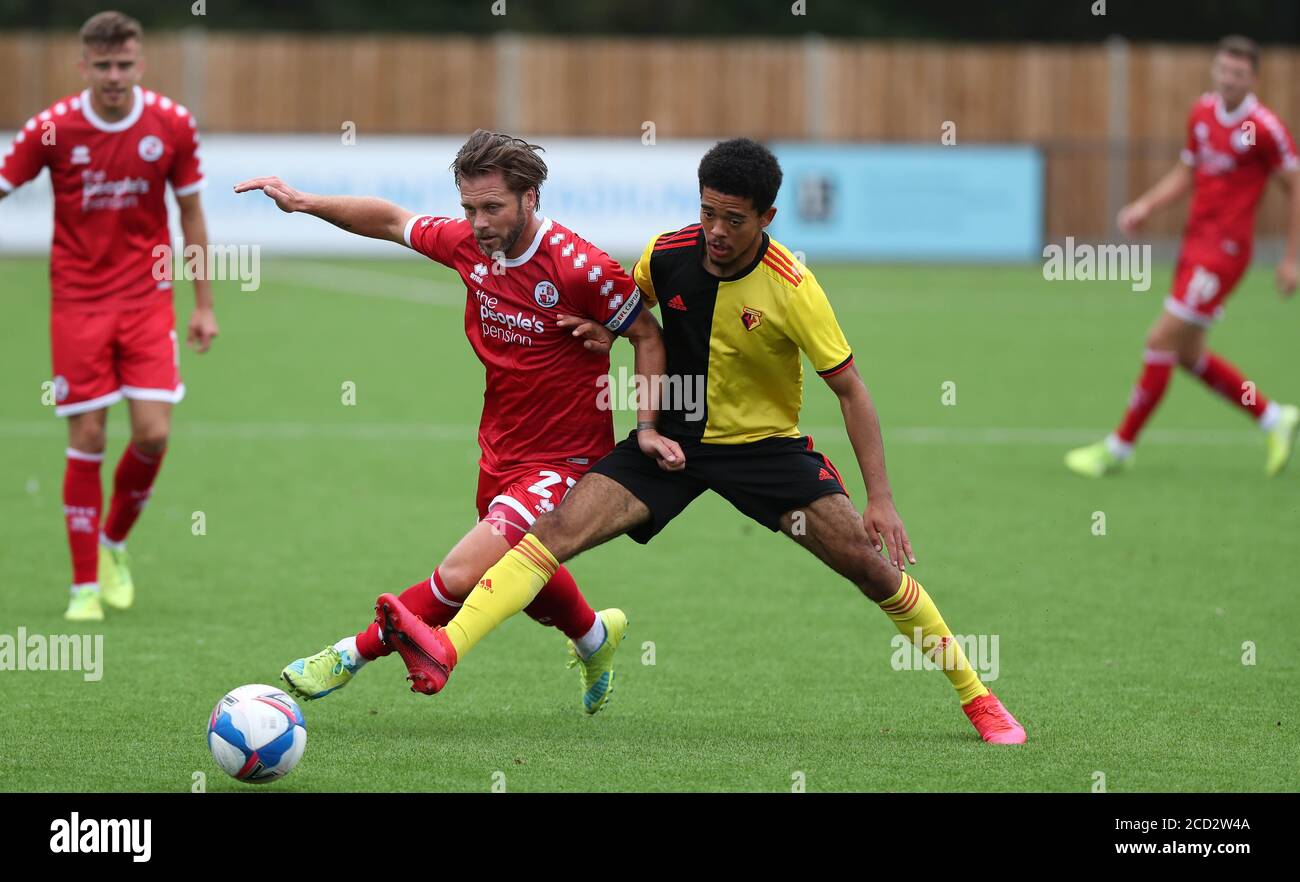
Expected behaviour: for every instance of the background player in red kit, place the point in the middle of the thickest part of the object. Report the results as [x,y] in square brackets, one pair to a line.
[1234,144]
[541,427]
[111,151]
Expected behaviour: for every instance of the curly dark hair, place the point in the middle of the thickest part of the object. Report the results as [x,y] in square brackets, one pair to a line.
[742,167]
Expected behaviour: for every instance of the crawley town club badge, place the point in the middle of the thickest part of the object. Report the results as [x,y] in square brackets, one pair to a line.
[151,148]
[546,295]
[751,318]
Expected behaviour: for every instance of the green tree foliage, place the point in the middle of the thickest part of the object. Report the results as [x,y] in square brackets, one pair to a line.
[1270,21]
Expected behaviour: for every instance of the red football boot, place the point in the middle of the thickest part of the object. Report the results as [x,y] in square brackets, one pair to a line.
[427,652]
[993,721]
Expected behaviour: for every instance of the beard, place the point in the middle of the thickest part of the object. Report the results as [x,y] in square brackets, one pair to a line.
[511,236]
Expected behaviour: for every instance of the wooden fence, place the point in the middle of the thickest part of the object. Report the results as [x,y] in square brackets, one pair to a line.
[1109,117]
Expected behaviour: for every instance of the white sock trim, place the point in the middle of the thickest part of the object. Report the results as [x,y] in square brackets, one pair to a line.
[592,640]
[1118,448]
[83,456]
[110,544]
[1269,418]
[347,649]
[442,597]
[94,586]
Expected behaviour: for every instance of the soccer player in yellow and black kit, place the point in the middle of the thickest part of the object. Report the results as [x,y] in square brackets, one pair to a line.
[737,308]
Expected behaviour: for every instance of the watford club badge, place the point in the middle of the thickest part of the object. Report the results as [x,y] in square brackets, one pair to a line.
[751,318]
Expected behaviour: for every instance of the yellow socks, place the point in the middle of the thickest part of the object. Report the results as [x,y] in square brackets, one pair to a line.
[515,580]
[911,609]
[505,589]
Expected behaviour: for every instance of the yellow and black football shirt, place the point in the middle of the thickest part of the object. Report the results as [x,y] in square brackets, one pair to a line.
[740,336]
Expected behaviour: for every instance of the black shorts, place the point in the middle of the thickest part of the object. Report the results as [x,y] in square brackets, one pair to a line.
[762,479]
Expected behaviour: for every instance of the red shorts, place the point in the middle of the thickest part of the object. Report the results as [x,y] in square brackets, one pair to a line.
[516,495]
[104,356]
[1203,279]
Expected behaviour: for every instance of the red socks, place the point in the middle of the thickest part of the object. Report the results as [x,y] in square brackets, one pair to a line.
[1224,378]
[1221,376]
[83,500]
[560,603]
[427,599]
[132,483]
[1150,388]
[83,497]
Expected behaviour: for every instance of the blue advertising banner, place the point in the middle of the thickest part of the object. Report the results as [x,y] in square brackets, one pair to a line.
[910,202]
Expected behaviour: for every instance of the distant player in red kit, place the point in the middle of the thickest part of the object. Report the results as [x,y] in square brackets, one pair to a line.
[541,427]
[1234,144]
[112,151]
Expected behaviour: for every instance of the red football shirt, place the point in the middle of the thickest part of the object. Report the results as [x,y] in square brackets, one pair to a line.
[109,183]
[540,404]
[1233,155]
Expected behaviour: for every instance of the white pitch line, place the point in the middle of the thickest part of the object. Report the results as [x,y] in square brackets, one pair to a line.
[288,431]
[1028,435]
[365,283]
[937,435]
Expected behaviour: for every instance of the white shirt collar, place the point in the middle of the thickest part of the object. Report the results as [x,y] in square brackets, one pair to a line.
[1243,110]
[137,108]
[532,249]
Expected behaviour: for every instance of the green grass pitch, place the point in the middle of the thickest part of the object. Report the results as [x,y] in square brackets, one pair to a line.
[1122,654]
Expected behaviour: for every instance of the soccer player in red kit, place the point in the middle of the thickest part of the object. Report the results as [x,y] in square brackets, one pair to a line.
[112,150]
[542,426]
[1234,145]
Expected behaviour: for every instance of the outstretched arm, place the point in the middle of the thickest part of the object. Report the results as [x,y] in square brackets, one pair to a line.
[363,215]
[1176,182]
[863,425]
